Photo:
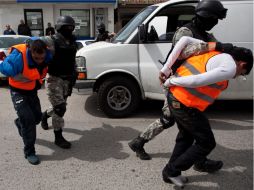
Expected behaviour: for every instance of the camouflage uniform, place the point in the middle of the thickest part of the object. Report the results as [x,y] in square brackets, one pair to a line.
[57,91]
[158,126]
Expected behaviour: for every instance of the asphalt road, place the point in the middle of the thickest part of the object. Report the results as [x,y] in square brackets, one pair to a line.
[100,158]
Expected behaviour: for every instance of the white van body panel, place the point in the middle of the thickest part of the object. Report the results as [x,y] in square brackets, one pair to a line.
[141,60]
[237,28]
[104,57]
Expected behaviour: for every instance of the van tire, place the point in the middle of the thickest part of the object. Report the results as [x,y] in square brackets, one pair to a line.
[118,97]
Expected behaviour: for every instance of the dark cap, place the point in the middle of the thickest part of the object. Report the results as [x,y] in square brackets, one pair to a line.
[243,54]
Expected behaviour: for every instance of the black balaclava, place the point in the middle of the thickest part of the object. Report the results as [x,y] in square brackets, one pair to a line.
[66,31]
[205,24]
[101,30]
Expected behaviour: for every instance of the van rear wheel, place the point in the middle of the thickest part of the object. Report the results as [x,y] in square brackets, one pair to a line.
[118,97]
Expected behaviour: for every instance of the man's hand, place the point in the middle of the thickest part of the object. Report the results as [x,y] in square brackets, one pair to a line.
[162,77]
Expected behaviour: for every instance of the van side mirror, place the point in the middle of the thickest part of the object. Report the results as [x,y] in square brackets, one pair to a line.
[142,33]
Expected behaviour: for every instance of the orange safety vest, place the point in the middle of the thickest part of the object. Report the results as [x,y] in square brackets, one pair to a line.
[200,97]
[27,79]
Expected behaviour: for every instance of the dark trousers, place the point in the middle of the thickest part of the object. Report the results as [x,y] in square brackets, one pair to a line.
[28,109]
[194,141]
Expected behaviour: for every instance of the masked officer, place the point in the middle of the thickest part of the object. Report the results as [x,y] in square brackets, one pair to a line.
[61,76]
[207,15]
[26,66]
[103,35]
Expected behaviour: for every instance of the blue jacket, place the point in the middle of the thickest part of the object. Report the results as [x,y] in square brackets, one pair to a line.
[13,63]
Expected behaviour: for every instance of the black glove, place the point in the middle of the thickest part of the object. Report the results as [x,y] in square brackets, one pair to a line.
[72,83]
[224,47]
[69,92]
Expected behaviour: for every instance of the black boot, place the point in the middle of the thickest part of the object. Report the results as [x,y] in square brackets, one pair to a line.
[208,166]
[137,145]
[60,140]
[44,120]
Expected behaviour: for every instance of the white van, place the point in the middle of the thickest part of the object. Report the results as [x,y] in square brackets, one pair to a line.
[125,71]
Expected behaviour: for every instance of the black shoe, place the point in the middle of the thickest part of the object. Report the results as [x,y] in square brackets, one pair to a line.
[60,140]
[137,145]
[179,180]
[33,159]
[208,166]
[44,120]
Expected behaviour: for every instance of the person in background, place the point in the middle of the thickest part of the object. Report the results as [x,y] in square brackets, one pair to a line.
[23,29]
[26,66]
[61,76]
[8,30]
[195,85]
[103,35]
[50,30]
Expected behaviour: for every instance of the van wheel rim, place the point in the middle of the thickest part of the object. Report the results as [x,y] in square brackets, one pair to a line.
[119,98]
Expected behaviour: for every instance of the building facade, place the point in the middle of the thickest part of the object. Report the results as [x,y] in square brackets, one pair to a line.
[88,14]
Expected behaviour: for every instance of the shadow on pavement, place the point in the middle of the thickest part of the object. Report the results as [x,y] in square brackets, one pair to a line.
[94,145]
[105,142]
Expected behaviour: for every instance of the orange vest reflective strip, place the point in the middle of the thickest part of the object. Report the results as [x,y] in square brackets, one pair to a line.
[27,79]
[200,97]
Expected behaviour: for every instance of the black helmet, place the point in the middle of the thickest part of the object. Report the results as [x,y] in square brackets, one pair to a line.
[211,8]
[64,21]
[101,26]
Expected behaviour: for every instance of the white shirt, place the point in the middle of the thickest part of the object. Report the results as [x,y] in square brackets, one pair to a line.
[219,68]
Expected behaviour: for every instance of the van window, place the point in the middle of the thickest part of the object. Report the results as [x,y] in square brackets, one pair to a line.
[129,28]
[157,27]
[163,25]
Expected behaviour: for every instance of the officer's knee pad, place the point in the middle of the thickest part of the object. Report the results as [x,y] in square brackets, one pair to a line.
[60,109]
[167,122]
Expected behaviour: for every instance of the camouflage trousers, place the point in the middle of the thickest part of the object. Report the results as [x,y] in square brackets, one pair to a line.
[157,126]
[57,91]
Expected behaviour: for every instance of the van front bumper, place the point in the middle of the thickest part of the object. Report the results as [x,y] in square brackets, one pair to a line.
[84,84]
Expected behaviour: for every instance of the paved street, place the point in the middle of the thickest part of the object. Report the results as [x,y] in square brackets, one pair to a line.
[100,158]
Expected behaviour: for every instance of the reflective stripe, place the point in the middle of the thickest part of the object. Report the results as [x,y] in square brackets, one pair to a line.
[217,86]
[21,78]
[194,71]
[200,95]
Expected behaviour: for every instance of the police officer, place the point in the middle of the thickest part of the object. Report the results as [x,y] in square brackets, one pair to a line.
[61,76]
[26,66]
[103,35]
[207,15]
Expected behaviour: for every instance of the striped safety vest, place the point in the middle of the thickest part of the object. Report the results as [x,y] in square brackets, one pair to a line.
[200,97]
[27,79]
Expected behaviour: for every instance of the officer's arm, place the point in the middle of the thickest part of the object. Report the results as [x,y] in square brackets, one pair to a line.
[12,64]
[193,49]
[183,31]
[179,49]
